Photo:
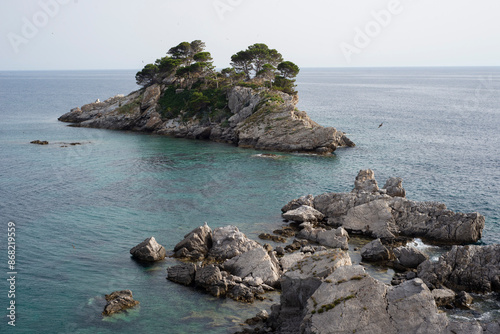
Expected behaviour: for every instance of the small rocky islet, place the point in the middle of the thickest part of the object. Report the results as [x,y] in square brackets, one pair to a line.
[251,104]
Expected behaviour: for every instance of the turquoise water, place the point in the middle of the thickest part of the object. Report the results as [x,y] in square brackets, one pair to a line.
[79,209]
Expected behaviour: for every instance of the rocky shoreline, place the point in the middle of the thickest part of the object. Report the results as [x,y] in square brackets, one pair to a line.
[322,289]
[323,292]
[259,118]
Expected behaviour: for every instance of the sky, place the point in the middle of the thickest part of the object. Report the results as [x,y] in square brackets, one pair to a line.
[127,34]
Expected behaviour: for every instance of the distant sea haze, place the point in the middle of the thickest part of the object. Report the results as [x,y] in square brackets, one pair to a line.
[78,209]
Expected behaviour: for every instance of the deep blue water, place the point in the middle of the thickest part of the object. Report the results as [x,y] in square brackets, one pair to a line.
[79,209]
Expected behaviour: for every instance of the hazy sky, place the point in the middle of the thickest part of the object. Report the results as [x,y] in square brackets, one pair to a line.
[126,34]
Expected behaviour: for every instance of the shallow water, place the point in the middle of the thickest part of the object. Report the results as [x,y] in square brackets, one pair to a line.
[79,209]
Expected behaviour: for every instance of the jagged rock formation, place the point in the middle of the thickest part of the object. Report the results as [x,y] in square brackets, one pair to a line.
[464,268]
[258,118]
[384,213]
[148,251]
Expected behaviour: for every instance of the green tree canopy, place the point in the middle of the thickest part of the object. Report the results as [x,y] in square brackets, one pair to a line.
[261,54]
[147,75]
[288,69]
[243,62]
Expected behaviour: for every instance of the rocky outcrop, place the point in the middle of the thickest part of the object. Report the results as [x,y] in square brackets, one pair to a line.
[408,256]
[148,251]
[228,242]
[119,301]
[385,213]
[303,213]
[348,300]
[464,268]
[255,264]
[259,118]
[333,238]
[183,273]
[195,244]
[375,251]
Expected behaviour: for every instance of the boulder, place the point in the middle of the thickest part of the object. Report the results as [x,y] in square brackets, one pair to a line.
[306,274]
[365,181]
[196,244]
[118,301]
[408,256]
[304,213]
[296,203]
[394,187]
[335,238]
[375,251]
[149,251]
[469,268]
[182,273]
[255,263]
[210,278]
[228,242]
[443,297]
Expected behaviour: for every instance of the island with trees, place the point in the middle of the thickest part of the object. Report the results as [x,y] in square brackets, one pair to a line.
[250,104]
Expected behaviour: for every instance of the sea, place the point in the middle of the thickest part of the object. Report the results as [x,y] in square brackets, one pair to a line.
[78,209]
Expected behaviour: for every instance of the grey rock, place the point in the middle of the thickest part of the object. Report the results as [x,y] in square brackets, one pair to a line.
[307,273]
[304,213]
[151,96]
[119,301]
[394,187]
[329,238]
[374,219]
[463,300]
[365,181]
[296,203]
[182,273]
[195,244]
[258,121]
[443,297]
[469,268]
[149,251]
[228,242]
[408,256]
[254,263]
[350,301]
[375,251]
[377,213]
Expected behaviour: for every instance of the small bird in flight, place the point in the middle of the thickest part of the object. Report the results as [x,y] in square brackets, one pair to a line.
[381,124]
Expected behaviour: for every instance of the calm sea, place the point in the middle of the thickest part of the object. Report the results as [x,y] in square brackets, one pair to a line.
[79,209]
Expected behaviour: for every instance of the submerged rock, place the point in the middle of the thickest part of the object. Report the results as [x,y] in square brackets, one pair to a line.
[119,301]
[39,142]
[149,251]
